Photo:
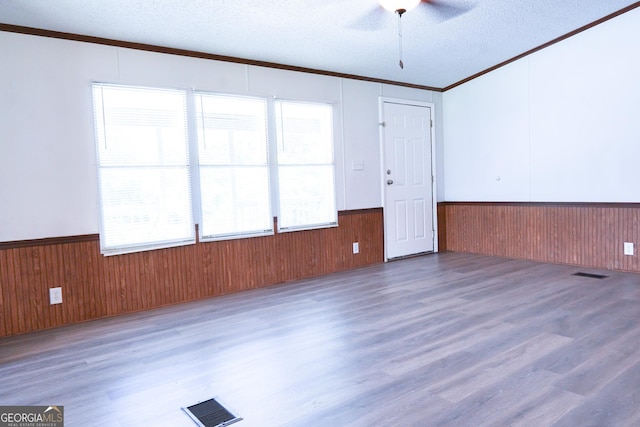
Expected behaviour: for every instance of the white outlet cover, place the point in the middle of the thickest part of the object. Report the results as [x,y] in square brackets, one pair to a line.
[356,248]
[628,248]
[55,295]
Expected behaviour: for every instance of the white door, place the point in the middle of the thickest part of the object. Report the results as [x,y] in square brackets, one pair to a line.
[407,179]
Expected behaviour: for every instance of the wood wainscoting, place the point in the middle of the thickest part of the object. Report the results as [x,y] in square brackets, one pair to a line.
[94,286]
[584,234]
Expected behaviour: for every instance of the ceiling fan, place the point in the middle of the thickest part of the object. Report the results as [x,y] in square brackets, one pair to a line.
[442,10]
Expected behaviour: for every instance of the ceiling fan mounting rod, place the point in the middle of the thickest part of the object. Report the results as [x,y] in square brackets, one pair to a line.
[400,12]
[400,7]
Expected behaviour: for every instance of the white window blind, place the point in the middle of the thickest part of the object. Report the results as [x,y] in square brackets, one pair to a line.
[233,156]
[143,168]
[306,166]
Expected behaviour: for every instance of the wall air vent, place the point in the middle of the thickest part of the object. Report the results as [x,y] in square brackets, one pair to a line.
[590,275]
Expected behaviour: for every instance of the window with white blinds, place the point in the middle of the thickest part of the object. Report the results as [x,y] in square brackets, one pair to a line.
[306,166]
[144,171]
[143,168]
[233,164]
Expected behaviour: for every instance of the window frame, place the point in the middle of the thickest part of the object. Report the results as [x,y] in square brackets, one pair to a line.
[333,222]
[100,135]
[197,142]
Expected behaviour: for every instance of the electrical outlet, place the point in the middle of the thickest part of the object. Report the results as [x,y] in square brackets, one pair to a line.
[356,248]
[55,296]
[628,248]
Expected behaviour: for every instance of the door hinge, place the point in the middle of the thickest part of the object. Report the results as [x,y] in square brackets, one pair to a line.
[383,124]
[431,123]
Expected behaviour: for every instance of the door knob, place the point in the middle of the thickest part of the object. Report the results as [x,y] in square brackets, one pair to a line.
[389,181]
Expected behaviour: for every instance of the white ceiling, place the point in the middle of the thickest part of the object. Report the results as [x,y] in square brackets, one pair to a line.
[444,41]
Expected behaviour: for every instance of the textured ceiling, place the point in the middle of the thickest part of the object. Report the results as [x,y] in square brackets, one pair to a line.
[444,41]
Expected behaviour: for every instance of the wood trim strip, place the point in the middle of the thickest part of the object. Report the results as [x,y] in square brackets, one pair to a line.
[49,241]
[548,204]
[545,45]
[359,211]
[195,54]
[96,237]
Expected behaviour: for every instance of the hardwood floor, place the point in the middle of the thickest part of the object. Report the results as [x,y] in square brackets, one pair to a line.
[441,340]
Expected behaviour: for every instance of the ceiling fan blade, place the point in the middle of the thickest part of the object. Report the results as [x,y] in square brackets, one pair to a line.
[373,20]
[443,10]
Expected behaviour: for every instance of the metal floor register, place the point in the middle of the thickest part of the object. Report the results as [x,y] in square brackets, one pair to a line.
[210,413]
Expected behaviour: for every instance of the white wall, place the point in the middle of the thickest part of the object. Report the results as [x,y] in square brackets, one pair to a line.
[360,111]
[439,146]
[561,125]
[48,183]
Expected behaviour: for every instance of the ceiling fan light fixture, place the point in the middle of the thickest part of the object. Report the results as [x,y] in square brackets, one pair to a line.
[399,6]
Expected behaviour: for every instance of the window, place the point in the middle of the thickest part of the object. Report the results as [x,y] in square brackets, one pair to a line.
[306,166]
[143,168]
[233,157]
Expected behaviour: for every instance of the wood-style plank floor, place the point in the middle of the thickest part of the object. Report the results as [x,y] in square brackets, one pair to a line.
[440,340]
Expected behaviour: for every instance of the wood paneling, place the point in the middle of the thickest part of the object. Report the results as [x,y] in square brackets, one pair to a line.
[584,234]
[95,286]
[442,227]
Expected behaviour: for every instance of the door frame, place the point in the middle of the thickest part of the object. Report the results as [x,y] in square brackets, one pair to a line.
[434,199]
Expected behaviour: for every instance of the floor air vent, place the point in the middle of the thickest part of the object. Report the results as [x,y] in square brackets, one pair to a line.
[590,275]
[210,413]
